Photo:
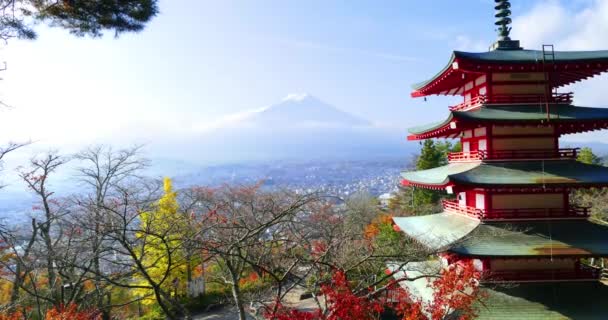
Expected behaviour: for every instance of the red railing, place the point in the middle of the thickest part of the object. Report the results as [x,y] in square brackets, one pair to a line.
[584,273]
[516,214]
[538,213]
[466,156]
[512,98]
[455,207]
[570,153]
[475,102]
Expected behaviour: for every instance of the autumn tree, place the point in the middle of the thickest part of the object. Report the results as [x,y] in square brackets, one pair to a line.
[586,155]
[36,177]
[162,256]
[455,294]
[246,229]
[102,171]
[419,201]
[144,250]
[432,155]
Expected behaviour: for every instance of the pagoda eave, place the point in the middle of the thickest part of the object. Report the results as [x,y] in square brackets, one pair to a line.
[438,187]
[571,66]
[566,119]
[466,237]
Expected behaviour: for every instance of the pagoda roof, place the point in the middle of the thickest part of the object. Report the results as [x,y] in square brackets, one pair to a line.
[437,231]
[546,301]
[525,301]
[550,173]
[571,66]
[571,118]
[536,238]
[469,237]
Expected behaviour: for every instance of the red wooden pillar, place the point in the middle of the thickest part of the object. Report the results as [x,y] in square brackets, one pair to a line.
[488,200]
[555,139]
[566,200]
[489,137]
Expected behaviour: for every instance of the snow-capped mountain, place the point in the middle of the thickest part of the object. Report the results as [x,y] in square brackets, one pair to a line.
[303,110]
[299,127]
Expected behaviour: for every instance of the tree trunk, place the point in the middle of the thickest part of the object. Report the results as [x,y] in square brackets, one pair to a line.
[161,303]
[16,286]
[50,264]
[236,292]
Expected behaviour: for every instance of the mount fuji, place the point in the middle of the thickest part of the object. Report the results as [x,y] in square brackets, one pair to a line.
[300,127]
[303,110]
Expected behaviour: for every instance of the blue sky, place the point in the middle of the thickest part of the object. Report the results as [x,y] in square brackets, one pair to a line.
[202,60]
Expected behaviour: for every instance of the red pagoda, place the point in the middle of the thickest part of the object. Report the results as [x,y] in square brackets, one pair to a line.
[512,215]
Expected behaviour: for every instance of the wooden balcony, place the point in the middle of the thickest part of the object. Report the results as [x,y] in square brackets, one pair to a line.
[585,272]
[478,101]
[455,207]
[572,212]
[533,154]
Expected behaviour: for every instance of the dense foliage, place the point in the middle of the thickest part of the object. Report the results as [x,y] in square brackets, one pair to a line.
[80,17]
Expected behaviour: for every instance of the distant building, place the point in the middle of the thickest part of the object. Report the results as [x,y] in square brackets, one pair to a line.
[385,200]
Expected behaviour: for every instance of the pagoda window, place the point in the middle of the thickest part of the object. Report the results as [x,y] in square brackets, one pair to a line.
[481,80]
[469,86]
[480,201]
[482,145]
[480,132]
[466,146]
[462,199]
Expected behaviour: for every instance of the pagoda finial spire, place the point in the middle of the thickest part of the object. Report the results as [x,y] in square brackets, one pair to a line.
[503,19]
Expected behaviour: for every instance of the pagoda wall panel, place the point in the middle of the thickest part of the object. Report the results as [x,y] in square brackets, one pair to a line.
[528,201]
[497,265]
[519,89]
[542,143]
[518,76]
[514,130]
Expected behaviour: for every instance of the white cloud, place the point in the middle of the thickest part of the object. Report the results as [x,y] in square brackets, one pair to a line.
[466,43]
[550,22]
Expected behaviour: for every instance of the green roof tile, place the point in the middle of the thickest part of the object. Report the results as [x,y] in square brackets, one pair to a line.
[546,301]
[532,56]
[520,113]
[518,56]
[469,237]
[438,230]
[518,174]
[539,238]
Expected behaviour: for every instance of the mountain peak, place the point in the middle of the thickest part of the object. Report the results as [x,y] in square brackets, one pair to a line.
[298,97]
[305,109]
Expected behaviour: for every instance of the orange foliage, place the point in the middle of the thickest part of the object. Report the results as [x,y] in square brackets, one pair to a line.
[17,315]
[251,278]
[372,229]
[71,312]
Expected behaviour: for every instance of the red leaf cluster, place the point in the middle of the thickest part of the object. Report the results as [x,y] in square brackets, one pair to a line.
[456,290]
[71,312]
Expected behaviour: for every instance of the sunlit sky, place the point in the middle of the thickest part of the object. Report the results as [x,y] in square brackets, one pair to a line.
[199,61]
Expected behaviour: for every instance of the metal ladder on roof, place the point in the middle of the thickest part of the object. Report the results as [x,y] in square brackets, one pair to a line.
[548,63]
